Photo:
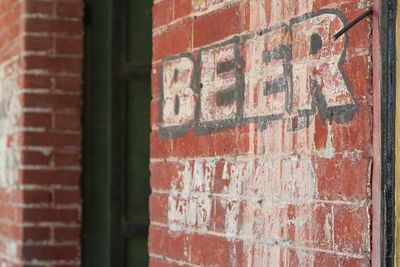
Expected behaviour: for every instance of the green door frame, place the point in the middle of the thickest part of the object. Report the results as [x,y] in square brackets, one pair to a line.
[105,226]
[97,167]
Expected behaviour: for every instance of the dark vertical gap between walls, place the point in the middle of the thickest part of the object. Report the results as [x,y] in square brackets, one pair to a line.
[96,119]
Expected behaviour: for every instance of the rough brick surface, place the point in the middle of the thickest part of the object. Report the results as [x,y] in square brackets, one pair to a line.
[41,54]
[261,143]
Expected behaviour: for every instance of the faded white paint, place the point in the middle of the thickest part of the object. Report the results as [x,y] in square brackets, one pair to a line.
[189,202]
[284,10]
[270,197]
[268,182]
[282,76]
[264,187]
[209,5]
[177,79]
[323,66]
[9,111]
[212,83]
[258,72]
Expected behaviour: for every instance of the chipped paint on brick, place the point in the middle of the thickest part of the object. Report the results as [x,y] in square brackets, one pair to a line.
[219,84]
[9,113]
[189,202]
[251,186]
[282,10]
[291,72]
[281,85]
[177,76]
[207,5]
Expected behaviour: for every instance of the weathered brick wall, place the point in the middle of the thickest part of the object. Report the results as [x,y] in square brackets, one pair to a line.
[10,70]
[40,132]
[261,142]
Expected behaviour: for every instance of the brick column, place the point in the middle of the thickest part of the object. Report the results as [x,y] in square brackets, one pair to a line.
[41,48]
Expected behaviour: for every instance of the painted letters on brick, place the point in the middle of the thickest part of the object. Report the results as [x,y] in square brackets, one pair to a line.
[286,72]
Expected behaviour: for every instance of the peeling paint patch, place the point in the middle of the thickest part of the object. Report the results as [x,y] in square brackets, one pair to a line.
[206,5]
[9,111]
[252,188]
[189,203]
[296,190]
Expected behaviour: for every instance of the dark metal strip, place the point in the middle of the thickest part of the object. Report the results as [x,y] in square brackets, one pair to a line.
[353,23]
[388,105]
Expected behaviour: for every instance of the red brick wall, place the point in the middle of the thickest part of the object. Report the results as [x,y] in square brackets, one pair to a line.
[261,146]
[40,138]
